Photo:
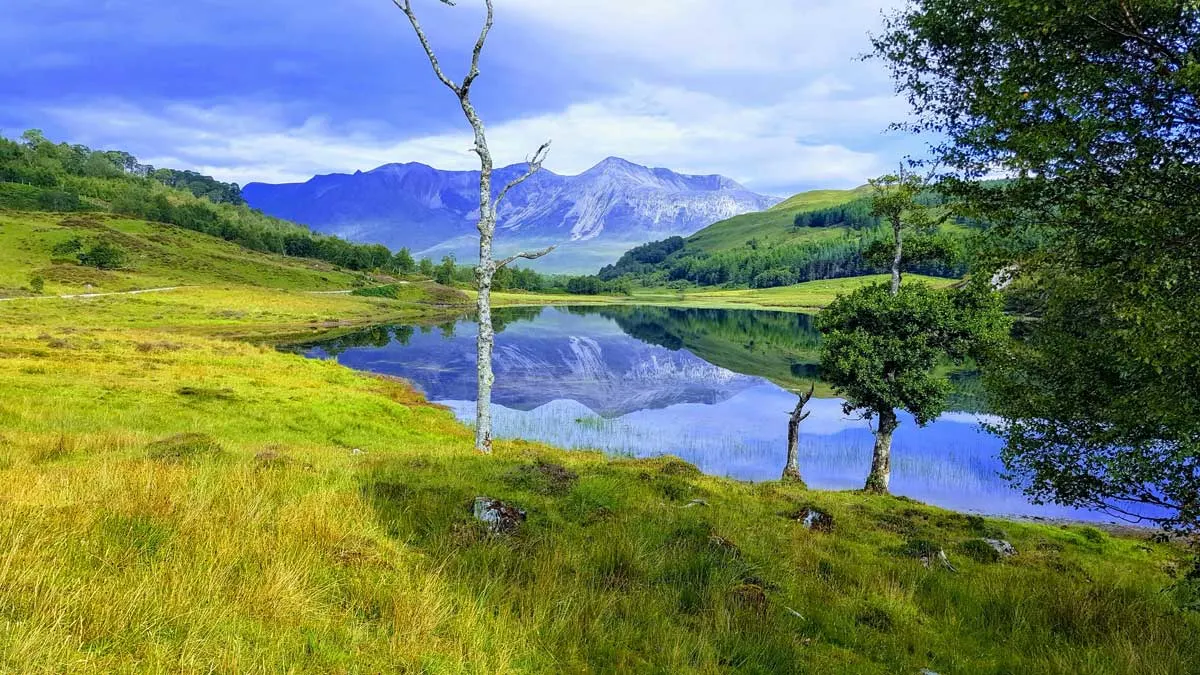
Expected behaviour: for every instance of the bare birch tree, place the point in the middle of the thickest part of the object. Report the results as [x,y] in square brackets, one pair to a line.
[488,265]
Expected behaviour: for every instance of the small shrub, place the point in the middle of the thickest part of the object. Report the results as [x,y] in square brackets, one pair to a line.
[67,247]
[542,477]
[184,447]
[104,256]
[875,617]
[206,393]
[674,466]
[978,550]
[37,283]
[920,548]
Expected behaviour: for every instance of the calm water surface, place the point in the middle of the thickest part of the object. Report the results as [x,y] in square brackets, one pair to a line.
[710,386]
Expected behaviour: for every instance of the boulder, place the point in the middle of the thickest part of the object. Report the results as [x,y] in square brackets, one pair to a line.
[499,517]
[1002,547]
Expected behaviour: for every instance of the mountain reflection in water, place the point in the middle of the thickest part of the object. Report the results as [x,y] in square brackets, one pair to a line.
[710,386]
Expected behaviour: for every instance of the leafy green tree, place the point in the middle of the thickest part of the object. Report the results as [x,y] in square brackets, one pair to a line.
[894,200]
[403,262]
[880,350]
[426,268]
[444,274]
[1093,109]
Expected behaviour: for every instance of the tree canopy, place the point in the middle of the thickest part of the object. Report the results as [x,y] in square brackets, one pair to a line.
[1091,108]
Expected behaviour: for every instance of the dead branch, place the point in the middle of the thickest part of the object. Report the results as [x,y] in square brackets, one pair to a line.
[527,255]
[535,165]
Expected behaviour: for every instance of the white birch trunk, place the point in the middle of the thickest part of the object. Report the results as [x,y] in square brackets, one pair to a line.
[487,219]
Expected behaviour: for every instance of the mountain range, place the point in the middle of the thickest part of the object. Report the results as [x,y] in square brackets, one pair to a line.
[594,216]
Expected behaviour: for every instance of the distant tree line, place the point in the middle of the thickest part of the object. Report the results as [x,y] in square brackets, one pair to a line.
[672,260]
[37,174]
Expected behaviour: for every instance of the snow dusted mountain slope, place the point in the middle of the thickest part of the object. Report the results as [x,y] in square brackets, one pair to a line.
[420,207]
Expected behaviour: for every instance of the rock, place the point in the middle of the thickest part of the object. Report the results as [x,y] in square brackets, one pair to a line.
[694,502]
[814,519]
[356,451]
[1002,547]
[500,518]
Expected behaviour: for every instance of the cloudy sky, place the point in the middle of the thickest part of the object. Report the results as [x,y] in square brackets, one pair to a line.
[771,93]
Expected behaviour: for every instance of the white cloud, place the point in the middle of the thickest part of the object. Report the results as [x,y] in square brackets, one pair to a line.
[712,35]
[768,147]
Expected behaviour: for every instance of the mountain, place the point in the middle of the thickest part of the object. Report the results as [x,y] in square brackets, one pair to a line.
[609,207]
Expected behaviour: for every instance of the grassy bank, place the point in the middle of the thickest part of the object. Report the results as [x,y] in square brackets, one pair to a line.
[806,297]
[177,500]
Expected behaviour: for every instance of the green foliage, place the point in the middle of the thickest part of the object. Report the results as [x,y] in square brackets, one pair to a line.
[857,215]
[403,262]
[1092,109]
[880,351]
[425,268]
[103,255]
[37,283]
[67,247]
[922,252]
[444,274]
[38,175]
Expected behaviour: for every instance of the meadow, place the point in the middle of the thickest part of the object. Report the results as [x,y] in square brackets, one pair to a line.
[179,496]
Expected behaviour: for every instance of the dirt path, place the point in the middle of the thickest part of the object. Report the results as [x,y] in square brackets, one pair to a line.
[94,295]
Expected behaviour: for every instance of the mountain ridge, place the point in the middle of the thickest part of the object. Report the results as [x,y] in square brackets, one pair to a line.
[421,207]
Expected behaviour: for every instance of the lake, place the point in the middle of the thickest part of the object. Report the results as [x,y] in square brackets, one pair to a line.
[709,386]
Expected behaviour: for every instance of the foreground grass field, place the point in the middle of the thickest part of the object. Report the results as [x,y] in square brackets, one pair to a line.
[178,496]
[176,501]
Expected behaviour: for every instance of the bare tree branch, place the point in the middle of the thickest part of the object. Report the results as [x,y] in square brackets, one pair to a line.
[487,27]
[406,7]
[535,165]
[528,255]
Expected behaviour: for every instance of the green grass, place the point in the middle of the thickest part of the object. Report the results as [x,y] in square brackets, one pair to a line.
[806,297]
[774,226]
[159,255]
[174,500]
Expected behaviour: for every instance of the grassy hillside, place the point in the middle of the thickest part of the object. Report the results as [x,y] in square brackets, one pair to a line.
[158,255]
[774,226]
[173,500]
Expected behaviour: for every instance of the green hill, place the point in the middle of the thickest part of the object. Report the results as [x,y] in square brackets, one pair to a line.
[46,246]
[773,226]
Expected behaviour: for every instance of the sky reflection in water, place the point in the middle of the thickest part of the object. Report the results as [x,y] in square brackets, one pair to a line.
[579,378]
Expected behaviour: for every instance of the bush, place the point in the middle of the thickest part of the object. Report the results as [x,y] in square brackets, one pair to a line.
[68,247]
[103,255]
[978,550]
[37,284]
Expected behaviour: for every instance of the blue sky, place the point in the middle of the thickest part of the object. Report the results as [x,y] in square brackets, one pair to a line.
[770,93]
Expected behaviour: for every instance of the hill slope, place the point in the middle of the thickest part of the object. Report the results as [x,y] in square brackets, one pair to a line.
[420,207]
[772,226]
[157,255]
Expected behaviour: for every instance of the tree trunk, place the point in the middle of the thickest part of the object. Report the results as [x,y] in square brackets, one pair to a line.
[791,470]
[487,217]
[881,460]
[896,259]
[484,345]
